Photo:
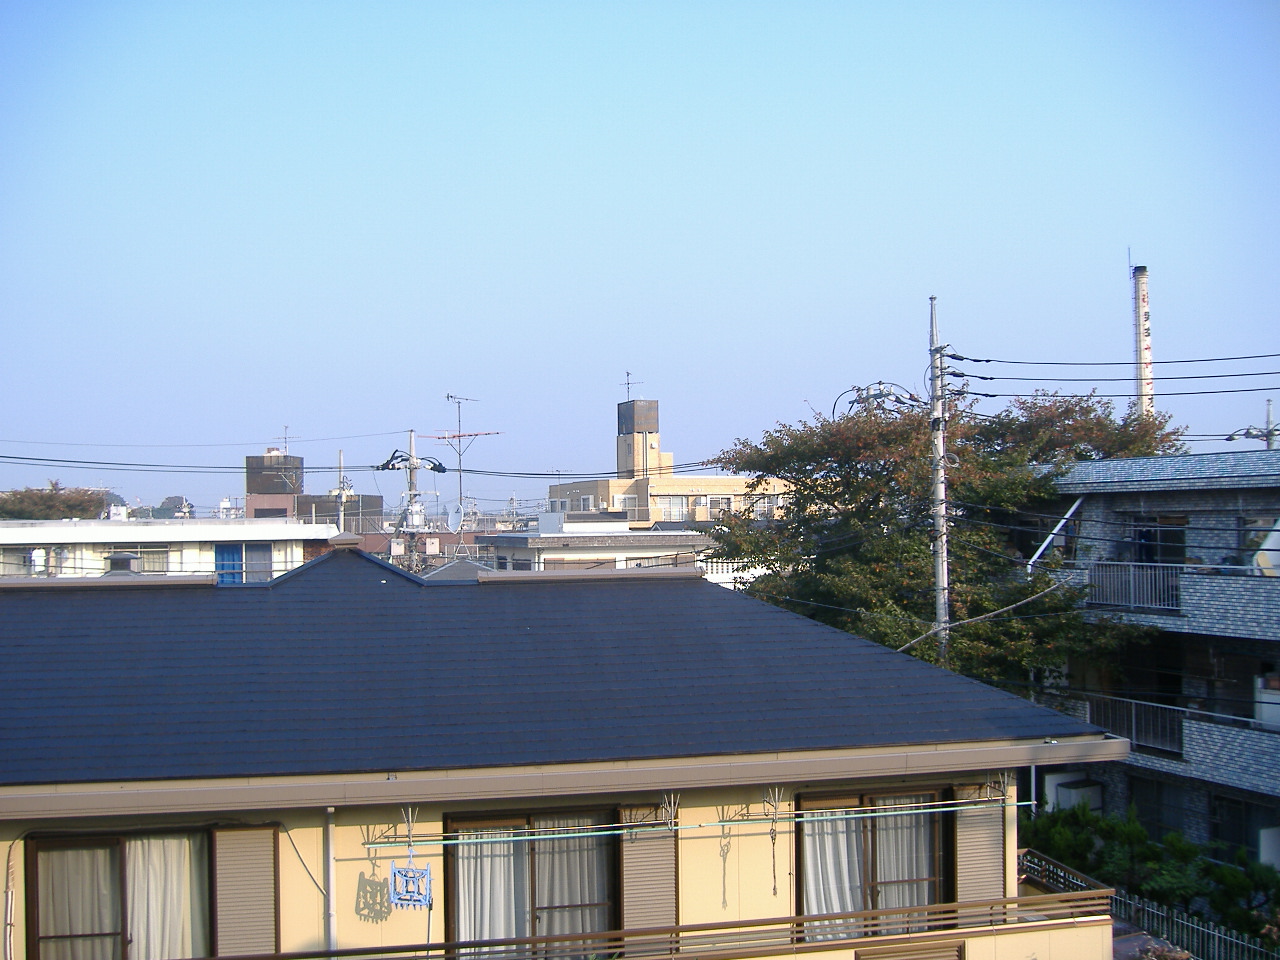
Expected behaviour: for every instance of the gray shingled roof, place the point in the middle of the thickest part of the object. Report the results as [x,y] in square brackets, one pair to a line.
[1194,471]
[347,665]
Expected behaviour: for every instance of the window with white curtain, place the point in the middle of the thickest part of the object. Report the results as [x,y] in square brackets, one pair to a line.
[871,852]
[537,875]
[95,896]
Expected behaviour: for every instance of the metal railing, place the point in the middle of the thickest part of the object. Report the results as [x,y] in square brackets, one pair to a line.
[735,940]
[1134,586]
[1150,725]
[1204,939]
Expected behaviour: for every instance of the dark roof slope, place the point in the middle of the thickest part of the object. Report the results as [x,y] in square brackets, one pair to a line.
[345,666]
[1233,470]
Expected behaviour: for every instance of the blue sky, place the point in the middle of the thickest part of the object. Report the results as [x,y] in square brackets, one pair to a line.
[217,219]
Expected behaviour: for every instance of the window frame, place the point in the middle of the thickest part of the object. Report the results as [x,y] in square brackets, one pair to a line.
[941,825]
[34,844]
[457,824]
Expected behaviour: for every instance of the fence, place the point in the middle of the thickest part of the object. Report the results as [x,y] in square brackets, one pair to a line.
[1202,938]
[1145,724]
[1135,586]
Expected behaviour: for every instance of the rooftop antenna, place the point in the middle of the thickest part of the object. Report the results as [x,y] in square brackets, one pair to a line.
[285,438]
[629,383]
[460,443]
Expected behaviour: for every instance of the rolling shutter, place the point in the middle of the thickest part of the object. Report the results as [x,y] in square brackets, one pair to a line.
[979,851]
[244,876]
[648,871]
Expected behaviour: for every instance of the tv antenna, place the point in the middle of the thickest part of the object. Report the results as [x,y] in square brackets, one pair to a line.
[460,443]
[629,383]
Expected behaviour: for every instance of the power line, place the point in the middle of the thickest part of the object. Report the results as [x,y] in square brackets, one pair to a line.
[1198,376]
[1127,396]
[1105,363]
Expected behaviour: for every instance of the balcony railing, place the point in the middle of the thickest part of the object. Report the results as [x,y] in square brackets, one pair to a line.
[779,937]
[1134,586]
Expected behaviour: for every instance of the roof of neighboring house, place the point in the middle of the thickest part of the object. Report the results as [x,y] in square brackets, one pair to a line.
[1194,471]
[349,665]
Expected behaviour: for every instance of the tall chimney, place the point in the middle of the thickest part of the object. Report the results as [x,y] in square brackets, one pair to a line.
[1143,373]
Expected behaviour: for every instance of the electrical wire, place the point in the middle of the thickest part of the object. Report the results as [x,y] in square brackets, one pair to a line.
[1105,363]
[1127,396]
[1162,379]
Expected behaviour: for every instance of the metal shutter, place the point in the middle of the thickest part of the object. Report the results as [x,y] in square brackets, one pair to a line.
[244,877]
[980,852]
[648,872]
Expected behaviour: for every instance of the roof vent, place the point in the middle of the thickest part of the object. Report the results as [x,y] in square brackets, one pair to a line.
[121,564]
[346,541]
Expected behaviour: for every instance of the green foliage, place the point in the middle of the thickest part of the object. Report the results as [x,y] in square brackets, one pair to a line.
[1243,895]
[853,547]
[54,502]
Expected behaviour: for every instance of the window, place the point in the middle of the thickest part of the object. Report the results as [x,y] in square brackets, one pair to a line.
[151,896]
[672,508]
[152,557]
[765,506]
[716,506]
[870,852]
[97,898]
[1159,805]
[1159,540]
[625,501]
[15,562]
[584,504]
[532,876]
[242,562]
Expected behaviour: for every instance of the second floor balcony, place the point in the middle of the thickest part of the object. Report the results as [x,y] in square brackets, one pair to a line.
[1185,598]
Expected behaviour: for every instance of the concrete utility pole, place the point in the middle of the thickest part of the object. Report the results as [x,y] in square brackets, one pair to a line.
[938,443]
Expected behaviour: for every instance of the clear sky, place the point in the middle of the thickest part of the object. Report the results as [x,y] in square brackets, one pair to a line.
[219,219]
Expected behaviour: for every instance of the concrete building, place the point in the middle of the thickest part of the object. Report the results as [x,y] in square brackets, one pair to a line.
[236,550]
[1187,545]
[648,490]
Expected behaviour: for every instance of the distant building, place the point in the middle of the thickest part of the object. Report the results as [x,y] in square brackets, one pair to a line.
[236,551]
[274,489]
[647,490]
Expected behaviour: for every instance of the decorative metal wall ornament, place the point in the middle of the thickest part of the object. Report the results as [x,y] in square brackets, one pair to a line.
[772,801]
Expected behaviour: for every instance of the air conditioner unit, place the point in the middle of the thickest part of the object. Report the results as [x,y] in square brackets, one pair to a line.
[1075,792]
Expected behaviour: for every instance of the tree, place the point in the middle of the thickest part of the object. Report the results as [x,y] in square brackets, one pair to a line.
[54,502]
[853,545]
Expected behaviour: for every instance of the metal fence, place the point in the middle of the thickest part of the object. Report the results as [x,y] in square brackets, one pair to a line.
[1201,938]
[1204,939]
[1134,586]
[1151,725]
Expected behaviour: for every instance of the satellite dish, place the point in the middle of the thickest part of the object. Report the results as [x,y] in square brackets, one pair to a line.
[455,518]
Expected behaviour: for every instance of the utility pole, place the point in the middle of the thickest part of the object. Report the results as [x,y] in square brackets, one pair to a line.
[342,497]
[1267,433]
[938,456]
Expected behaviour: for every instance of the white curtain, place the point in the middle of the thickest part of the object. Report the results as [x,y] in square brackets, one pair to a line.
[572,877]
[79,896]
[167,896]
[904,854]
[493,886]
[834,867]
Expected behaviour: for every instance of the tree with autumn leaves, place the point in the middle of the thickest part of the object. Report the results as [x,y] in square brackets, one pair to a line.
[852,546]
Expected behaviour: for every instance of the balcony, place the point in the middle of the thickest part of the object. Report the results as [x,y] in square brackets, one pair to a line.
[1218,600]
[1217,747]
[1072,923]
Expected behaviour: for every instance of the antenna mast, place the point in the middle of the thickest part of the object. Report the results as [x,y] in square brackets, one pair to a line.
[460,443]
